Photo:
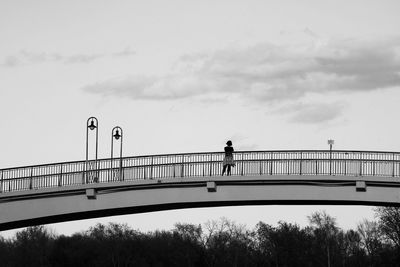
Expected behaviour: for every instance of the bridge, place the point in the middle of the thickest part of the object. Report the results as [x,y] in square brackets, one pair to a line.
[88,189]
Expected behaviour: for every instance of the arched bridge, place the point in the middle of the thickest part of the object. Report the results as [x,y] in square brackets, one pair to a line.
[88,189]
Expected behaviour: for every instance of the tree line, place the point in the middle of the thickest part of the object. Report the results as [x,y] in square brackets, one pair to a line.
[215,243]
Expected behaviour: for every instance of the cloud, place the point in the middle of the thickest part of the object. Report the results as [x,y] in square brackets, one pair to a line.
[124,53]
[82,58]
[311,113]
[269,73]
[147,87]
[28,57]
[11,61]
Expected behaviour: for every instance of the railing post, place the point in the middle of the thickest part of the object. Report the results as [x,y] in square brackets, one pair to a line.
[241,173]
[30,181]
[60,177]
[373,167]
[144,172]
[288,161]
[173,168]
[204,165]
[1,183]
[84,172]
[301,162]
[361,164]
[110,173]
[151,170]
[398,165]
[121,173]
[183,162]
[272,162]
[190,167]
[211,164]
[393,165]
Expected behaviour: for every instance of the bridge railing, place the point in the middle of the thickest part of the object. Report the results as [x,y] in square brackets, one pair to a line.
[248,163]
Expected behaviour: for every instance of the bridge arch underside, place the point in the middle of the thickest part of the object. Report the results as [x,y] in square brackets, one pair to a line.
[20,209]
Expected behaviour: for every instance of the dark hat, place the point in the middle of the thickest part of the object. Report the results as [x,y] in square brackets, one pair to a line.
[229,143]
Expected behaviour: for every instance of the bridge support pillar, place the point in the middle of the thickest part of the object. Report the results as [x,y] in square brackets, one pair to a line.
[361,186]
[211,187]
[91,193]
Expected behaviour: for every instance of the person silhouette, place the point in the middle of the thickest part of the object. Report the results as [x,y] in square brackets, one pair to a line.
[228,159]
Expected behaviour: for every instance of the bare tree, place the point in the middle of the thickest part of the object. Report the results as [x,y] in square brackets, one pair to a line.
[227,243]
[324,225]
[371,239]
[389,223]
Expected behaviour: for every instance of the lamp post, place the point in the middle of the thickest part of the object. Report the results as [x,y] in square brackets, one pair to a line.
[330,143]
[91,124]
[116,133]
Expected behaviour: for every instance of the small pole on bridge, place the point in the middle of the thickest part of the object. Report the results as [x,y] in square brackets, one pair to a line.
[330,143]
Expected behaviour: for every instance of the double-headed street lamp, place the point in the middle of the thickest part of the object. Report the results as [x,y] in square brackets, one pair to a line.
[116,133]
[91,124]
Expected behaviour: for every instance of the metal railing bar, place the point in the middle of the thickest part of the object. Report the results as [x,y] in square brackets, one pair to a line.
[335,152]
[281,162]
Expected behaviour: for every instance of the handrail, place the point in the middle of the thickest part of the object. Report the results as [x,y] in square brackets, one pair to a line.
[199,153]
[276,162]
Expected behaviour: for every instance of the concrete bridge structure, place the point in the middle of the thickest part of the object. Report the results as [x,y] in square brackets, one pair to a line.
[87,189]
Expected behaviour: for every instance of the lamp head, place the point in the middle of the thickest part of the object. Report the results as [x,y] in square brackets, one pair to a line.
[92,126]
[117,135]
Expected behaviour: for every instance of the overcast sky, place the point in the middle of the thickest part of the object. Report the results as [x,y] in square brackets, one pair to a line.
[185,76]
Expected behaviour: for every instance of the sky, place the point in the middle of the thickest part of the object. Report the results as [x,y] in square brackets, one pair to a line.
[185,76]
